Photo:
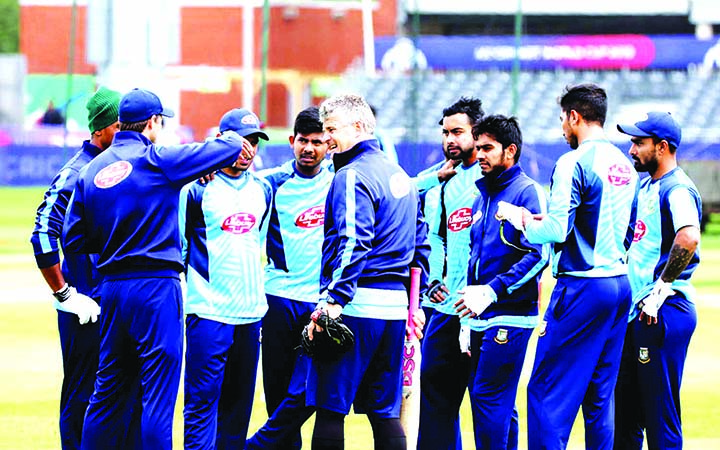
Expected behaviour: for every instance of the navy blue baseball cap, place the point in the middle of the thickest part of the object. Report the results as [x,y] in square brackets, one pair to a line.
[139,104]
[657,124]
[243,122]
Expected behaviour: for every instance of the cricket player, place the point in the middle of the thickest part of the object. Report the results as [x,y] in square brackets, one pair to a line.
[374,232]
[429,185]
[445,368]
[75,282]
[224,224]
[663,256]
[503,278]
[592,207]
[292,279]
[125,209]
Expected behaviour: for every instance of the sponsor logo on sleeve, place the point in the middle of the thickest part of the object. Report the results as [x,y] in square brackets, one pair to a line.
[238,223]
[113,174]
[640,230]
[313,217]
[619,174]
[460,219]
[477,216]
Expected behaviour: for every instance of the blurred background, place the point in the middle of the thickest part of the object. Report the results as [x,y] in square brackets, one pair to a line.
[409,58]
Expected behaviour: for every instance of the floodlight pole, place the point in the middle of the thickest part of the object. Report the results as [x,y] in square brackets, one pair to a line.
[368,37]
[516,59]
[248,46]
[70,71]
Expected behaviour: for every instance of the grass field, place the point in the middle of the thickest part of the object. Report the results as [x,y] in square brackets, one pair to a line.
[31,368]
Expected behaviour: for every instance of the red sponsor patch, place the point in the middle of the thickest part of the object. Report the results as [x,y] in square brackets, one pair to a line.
[313,217]
[112,174]
[239,223]
[640,230]
[619,174]
[460,219]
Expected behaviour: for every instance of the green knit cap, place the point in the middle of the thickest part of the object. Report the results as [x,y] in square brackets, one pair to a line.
[102,109]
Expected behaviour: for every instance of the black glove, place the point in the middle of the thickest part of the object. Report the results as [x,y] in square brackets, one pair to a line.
[334,339]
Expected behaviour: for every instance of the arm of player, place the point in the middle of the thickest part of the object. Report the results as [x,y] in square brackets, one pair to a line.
[685,210]
[531,263]
[564,199]
[684,245]
[183,164]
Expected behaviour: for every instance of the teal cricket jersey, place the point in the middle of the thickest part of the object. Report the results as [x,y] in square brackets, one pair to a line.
[591,212]
[295,231]
[455,212]
[664,206]
[430,189]
[224,224]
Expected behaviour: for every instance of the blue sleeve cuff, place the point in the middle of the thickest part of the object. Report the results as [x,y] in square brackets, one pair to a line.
[45,260]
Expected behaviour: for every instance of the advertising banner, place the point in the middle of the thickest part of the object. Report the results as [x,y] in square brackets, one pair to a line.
[596,52]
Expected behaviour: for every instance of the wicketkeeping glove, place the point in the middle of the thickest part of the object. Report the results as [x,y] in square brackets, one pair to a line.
[511,213]
[69,300]
[652,303]
[334,339]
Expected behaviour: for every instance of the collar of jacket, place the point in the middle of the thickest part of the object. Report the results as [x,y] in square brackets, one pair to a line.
[92,149]
[344,158]
[496,184]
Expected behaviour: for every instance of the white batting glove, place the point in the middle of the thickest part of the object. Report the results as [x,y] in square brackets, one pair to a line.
[652,303]
[69,300]
[464,339]
[511,213]
[477,298]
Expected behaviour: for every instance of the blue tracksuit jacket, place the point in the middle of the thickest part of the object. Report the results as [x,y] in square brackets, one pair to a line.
[365,245]
[512,273]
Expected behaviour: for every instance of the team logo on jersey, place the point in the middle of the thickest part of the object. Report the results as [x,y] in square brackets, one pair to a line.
[644,355]
[640,230]
[543,328]
[112,174]
[238,223]
[619,174]
[502,336]
[476,217]
[460,219]
[399,184]
[313,217]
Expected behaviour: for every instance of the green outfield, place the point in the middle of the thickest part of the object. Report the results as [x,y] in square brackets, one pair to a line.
[31,370]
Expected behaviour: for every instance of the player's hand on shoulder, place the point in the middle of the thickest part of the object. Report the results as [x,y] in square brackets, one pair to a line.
[207,178]
[448,171]
[69,300]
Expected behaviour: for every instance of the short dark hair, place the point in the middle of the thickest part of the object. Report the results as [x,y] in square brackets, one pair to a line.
[135,126]
[470,106]
[308,121]
[505,130]
[589,100]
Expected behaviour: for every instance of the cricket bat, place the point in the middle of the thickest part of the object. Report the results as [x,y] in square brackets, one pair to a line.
[410,409]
